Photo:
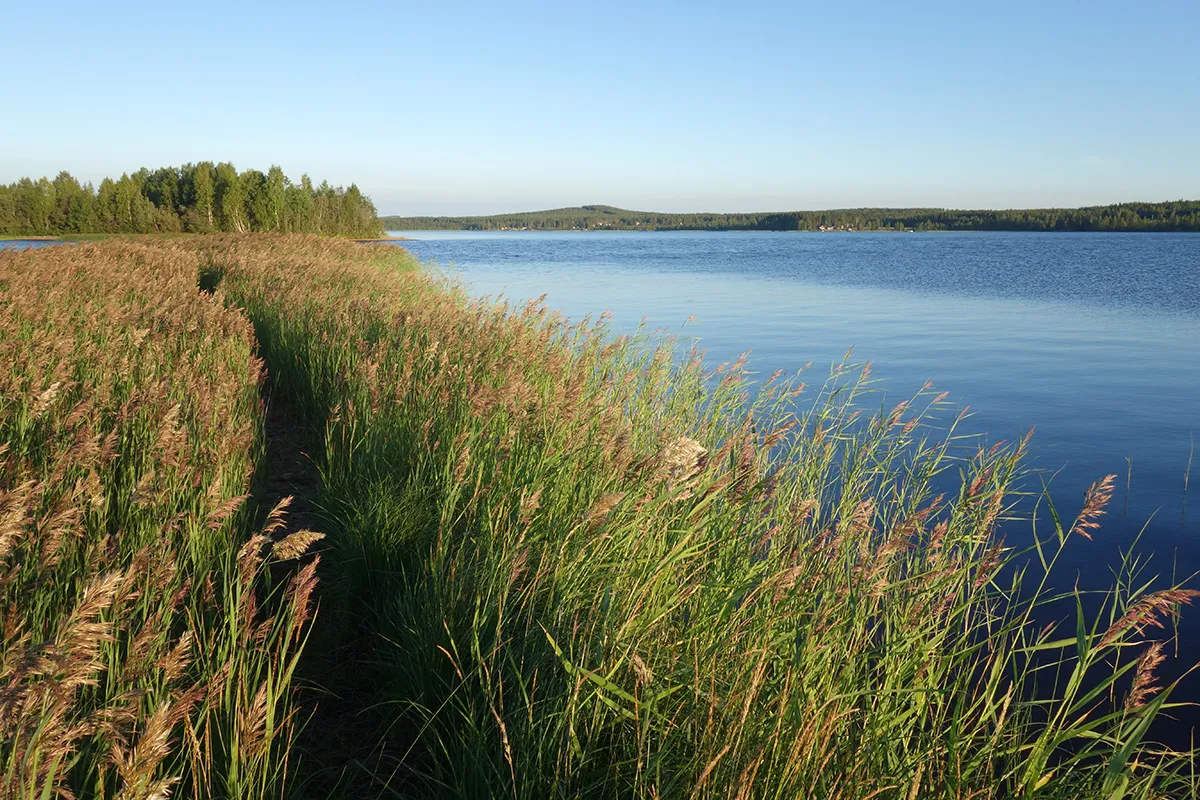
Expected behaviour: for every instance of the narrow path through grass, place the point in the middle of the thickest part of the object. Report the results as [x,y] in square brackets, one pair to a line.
[288,469]
[330,758]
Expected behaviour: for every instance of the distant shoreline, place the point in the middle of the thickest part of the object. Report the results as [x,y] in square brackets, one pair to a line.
[1179,216]
[746,230]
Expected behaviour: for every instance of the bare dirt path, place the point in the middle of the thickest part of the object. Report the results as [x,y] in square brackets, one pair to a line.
[289,469]
[329,760]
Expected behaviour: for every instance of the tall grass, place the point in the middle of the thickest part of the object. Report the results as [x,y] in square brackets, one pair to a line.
[144,648]
[560,564]
[567,565]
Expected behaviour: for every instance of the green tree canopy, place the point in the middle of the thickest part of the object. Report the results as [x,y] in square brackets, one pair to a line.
[197,198]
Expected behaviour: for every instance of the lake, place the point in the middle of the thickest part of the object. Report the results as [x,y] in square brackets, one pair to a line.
[1092,338]
[24,244]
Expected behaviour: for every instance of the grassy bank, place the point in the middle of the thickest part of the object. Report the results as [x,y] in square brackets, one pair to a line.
[557,564]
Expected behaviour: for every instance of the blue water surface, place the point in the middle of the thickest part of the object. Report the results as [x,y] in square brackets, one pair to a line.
[26,244]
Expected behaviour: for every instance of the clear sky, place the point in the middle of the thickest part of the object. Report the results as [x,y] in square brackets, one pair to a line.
[480,107]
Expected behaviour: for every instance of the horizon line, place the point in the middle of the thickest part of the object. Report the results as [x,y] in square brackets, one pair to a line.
[600,206]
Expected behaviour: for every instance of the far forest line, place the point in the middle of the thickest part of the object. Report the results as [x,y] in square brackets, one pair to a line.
[1181,215]
[193,198]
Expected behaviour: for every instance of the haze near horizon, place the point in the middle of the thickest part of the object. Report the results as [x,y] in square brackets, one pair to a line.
[677,107]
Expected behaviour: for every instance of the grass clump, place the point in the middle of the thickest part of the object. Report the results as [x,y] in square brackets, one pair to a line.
[562,564]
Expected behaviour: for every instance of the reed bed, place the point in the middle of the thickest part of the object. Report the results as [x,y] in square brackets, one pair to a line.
[569,565]
[560,564]
[145,650]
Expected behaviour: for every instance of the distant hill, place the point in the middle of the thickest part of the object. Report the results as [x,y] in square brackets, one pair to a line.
[1181,215]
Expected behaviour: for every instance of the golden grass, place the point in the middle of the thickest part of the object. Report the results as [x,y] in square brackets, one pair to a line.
[129,432]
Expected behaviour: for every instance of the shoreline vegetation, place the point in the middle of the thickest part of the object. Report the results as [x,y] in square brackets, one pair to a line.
[193,198]
[1182,215]
[541,561]
[98,237]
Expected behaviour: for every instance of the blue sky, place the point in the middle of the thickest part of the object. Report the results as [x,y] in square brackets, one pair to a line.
[683,106]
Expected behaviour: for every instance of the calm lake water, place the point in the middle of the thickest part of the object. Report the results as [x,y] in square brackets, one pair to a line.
[1092,338]
[23,244]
